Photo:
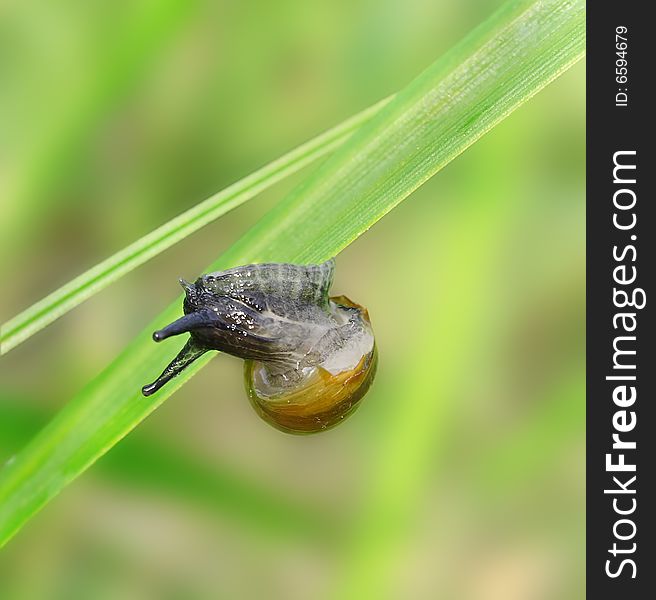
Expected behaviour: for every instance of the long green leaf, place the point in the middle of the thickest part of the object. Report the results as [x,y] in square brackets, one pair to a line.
[152,466]
[463,95]
[67,297]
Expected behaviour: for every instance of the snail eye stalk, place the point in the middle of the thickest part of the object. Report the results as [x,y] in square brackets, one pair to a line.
[186,324]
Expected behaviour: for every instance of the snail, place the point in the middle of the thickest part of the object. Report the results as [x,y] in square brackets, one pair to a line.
[309,358]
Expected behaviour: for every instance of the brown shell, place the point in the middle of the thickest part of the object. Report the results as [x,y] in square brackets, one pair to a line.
[323,402]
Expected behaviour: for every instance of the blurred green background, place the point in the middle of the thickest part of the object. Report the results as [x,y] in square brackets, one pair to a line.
[462,474]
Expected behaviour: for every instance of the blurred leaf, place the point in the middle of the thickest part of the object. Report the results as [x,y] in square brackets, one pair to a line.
[67,297]
[151,466]
[443,374]
[454,102]
[122,55]
[415,436]
[529,452]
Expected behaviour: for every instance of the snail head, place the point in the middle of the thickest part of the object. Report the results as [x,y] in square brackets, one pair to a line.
[216,322]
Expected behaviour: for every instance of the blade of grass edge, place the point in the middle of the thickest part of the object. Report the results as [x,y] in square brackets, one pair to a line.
[501,64]
[49,309]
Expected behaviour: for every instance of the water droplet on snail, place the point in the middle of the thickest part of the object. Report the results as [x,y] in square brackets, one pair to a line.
[309,358]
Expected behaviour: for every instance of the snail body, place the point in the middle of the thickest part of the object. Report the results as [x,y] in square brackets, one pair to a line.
[309,358]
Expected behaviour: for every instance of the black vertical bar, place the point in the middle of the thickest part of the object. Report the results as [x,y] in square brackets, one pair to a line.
[621,398]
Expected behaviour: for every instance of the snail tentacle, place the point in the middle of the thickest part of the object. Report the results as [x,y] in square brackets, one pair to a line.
[186,324]
[189,353]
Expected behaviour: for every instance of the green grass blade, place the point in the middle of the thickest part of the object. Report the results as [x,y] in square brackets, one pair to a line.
[463,95]
[67,297]
[151,466]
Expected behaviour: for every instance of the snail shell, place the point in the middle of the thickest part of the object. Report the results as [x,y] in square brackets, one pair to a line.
[309,358]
